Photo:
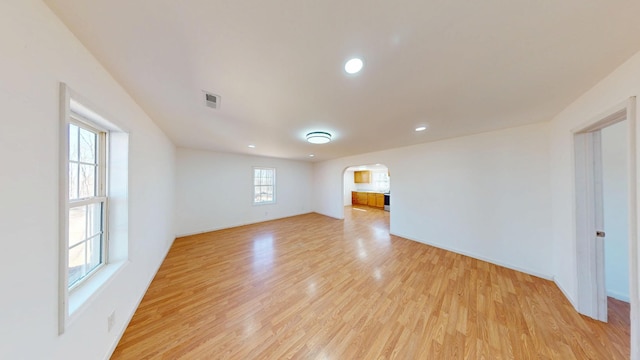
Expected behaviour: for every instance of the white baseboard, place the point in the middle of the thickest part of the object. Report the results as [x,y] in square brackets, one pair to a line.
[126,325]
[327,215]
[566,294]
[234,225]
[618,296]
[475,256]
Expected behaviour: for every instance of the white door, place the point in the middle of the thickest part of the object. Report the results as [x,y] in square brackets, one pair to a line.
[592,296]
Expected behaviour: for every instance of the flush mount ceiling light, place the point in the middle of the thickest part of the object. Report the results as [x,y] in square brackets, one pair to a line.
[353,66]
[318,137]
[422,127]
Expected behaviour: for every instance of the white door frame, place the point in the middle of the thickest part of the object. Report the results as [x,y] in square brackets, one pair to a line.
[592,299]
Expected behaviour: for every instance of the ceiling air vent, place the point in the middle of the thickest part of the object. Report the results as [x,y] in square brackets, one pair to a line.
[211,100]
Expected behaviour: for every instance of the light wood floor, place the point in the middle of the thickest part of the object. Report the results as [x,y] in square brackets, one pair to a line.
[312,287]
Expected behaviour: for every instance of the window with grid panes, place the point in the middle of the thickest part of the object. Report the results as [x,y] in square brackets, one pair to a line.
[264,185]
[87,203]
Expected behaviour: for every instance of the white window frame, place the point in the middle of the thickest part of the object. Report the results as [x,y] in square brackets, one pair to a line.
[100,193]
[72,302]
[272,185]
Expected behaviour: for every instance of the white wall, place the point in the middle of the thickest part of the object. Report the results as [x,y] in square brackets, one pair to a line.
[616,223]
[611,91]
[486,195]
[215,190]
[349,186]
[38,52]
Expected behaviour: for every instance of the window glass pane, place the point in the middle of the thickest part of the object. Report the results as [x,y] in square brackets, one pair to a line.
[94,219]
[259,194]
[87,146]
[73,142]
[85,240]
[77,225]
[94,252]
[73,181]
[77,263]
[87,181]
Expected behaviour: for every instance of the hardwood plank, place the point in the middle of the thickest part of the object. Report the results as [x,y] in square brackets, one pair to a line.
[312,287]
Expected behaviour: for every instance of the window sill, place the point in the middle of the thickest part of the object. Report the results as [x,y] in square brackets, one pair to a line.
[81,297]
[264,203]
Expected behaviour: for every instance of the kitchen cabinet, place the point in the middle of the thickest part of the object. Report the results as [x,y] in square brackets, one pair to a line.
[367,198]
[362,177]
[362,198]
[371,199]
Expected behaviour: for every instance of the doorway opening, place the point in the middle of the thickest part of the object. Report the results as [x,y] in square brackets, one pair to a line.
[605,209]
[367,185]
[367,188]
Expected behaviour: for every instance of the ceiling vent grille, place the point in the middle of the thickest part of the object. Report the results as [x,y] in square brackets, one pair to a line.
[211,100]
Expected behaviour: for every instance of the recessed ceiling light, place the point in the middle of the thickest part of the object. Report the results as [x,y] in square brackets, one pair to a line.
[252,146]
[353,66]
[422,127]
[318,137]
[311,155]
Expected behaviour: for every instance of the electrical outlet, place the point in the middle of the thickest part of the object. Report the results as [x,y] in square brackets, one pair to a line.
[110,320]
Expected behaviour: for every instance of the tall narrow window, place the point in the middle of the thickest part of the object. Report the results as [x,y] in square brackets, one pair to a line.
[264,185]
[87,239]
[93,243]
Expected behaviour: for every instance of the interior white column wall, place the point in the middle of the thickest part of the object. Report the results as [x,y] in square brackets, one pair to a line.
[484,195]
[215,190]
[349,186]
[39,52]
[616,88]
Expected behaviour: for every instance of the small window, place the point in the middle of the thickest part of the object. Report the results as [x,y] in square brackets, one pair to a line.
[264,185]
[87,238]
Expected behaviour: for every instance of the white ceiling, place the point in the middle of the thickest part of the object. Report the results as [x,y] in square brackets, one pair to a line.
[462,66]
